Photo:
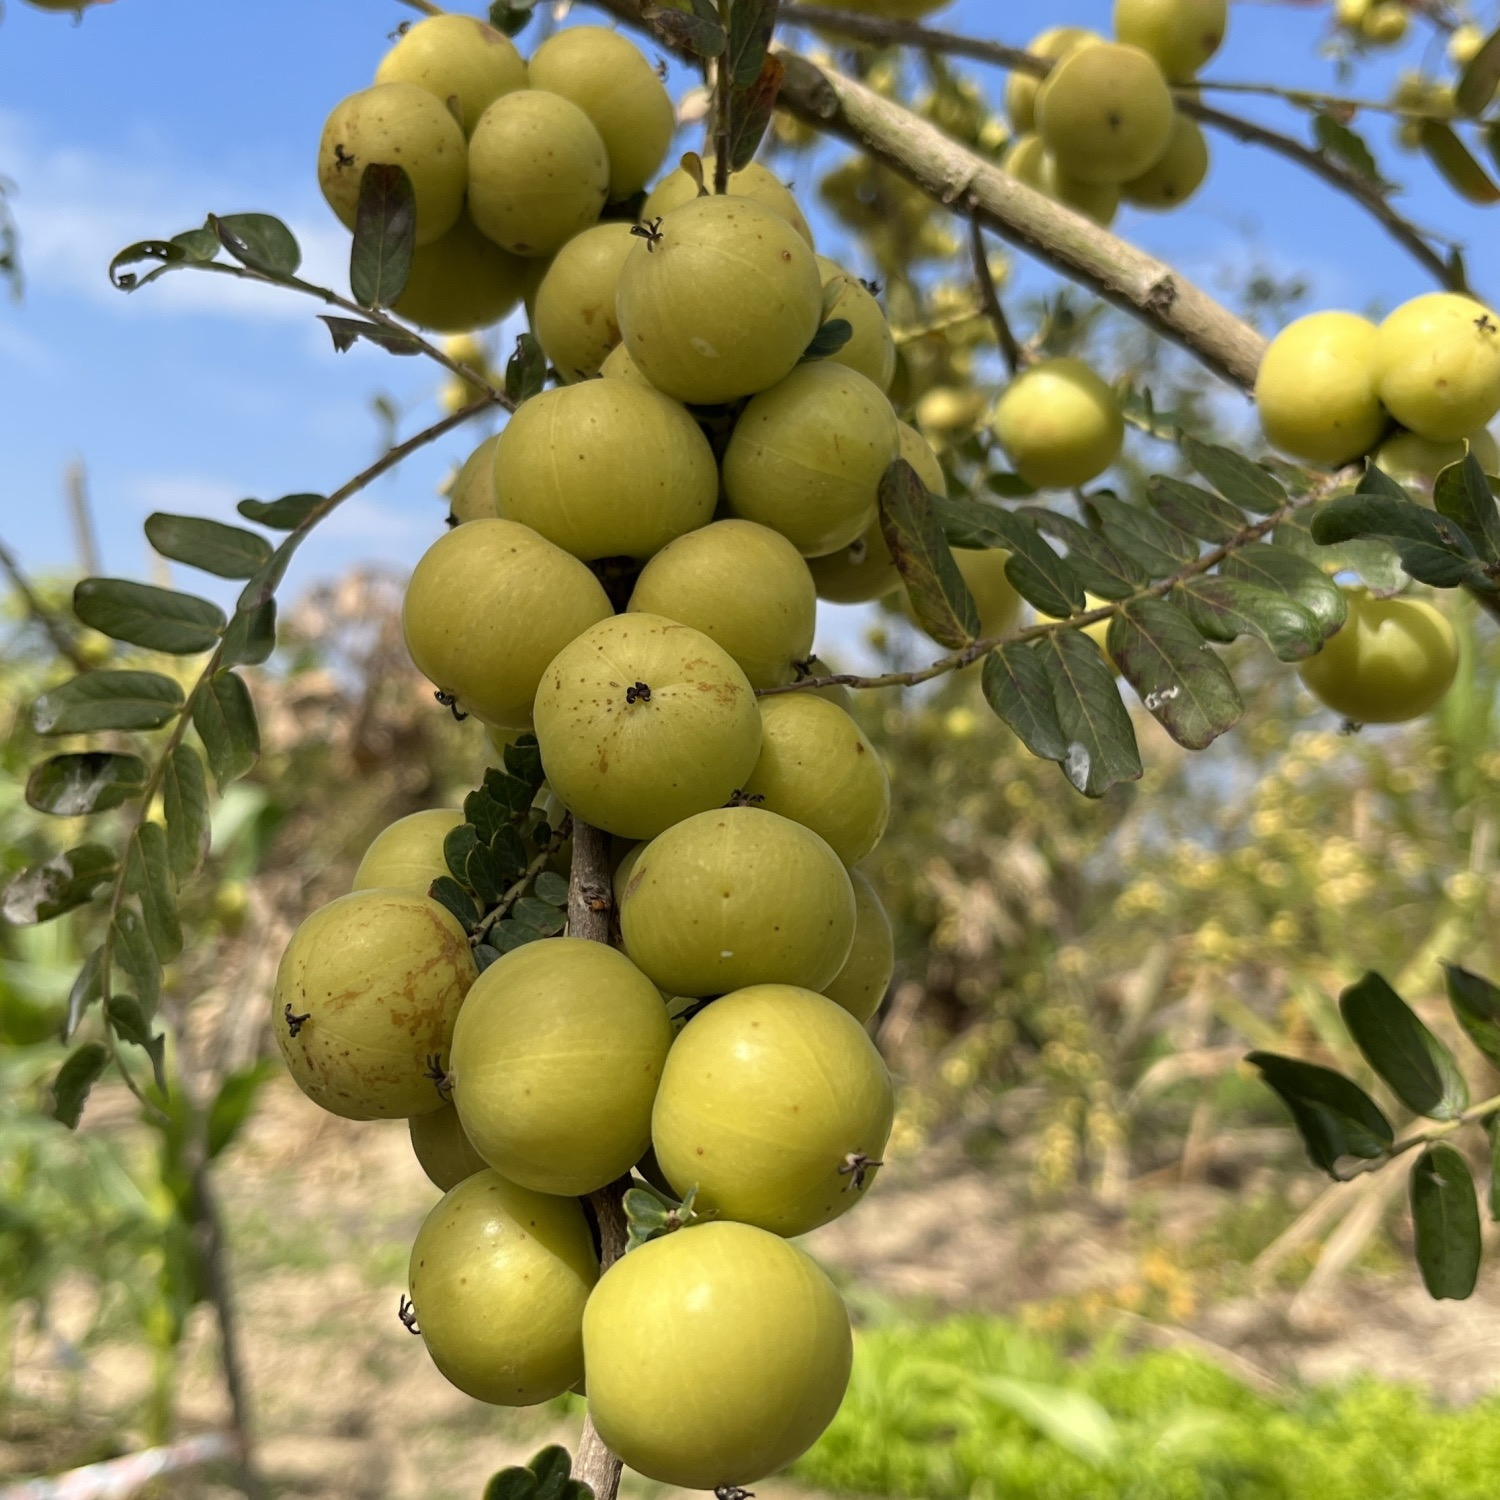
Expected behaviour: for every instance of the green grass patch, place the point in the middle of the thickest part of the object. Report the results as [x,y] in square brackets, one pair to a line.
[976,1409]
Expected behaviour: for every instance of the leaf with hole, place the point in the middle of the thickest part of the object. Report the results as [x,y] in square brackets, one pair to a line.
[1099,746]
[1418,1068]
[225,720]
[385,226]
[1224,609]
[1234,476]
[1334,1116]
[347,332]
[225,551]
[259,241]
[1182,682]
[939,597]
[143,615]
[57,885]
[1445,1220]
[93,781]
[75,1079]
[1476,1004]
[184,792]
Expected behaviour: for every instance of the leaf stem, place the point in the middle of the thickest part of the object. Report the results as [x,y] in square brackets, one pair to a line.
[1438,1131]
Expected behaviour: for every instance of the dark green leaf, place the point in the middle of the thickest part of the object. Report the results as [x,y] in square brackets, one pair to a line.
[184,790]
[1456,164]
[148,873]
[234,1103]
[551,888]
[226,551]
[1036,572]
[511,16]
[261,588]
[460,843]
[199,245]
[1019,689]
[1340,142]
[286,514]
[829,339]
[1431,547]
[1276,568]
[347,332]
[485,874]
[71,786]
[130,1023]
[1096,729]
[143,615]
[385,226]
[1179,676]
[76,1077]
[86,988]
[553,1468]
[939,597]
[1333,1115]
[1009,486]
[1463,494]
[509,934]
[448,892]
[1223,609]
[511,1484]
[1478,81]
[1492,1130]
[1196,511]
[1234,476]
[1375,481]
[224,717]
[1418,1068]
[167,253]
[1101,567]
[1156,545]
[525,370]
[1476,1003]
[523,760]
[509,853]
[751,24]
[542,915]
[251,636]
[259,241]
[1445,1218]
[59,884]
[682,28]
[751,108]
[137,958]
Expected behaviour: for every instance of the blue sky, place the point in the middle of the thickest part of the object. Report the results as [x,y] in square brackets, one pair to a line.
[196,392]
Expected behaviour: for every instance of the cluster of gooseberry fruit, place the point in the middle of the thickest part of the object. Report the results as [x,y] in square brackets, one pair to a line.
[1102,126]
[1377,23]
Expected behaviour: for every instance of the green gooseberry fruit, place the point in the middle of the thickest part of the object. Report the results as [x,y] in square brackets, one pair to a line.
[538,172]
[745,587]
[459,58]
[1180,34]
[734,897]
[1060,424]
[643,722]
[442,1149]
[471,491]
[461,282]
[499,1277]
[754,181]
[1437,365]
[1178,175]
[365,998]
[871,350]
[618,365]
[1105,112]
[866,975]
[611,80]
[573,315]
[1316,389]
[396,124]
[720,302]
[488,607]
[605,468]
[408,855]
[1021,88]
[556,1057]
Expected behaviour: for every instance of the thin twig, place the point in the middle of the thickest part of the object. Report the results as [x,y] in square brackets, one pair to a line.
[57,633]
[1010,350]
[723,106]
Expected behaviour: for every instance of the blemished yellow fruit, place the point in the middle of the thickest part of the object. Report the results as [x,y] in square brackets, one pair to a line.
[734,897]
[459,58]
[396,124]
[1385,23]
[745,587]
[1392,660]
[365,997]
[1316,389]
[605,468]
[573,315]
[871,350]
[471,491]
[1021,88]
[1180,34]
[817,768]
[498,1278]
[461,282]
[1178,175]
[807,457]
[747,1361]
[866,976]
[618,365]
[1436,363]
[538,172]
[610,79]
[488,607]
[721,303]
[754,181]
[775,1105]
[1060,424]
[1105,112]
[556,1058]
[408,855]
[442,1149]
[643,722]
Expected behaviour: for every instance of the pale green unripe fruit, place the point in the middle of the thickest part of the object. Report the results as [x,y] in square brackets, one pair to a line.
[643,722]
[734,897]
[1180,34]
[745,587]
[807,457]
[538,172]
[772,1102]
[442,1149]
[374,981]
[618,365]
[573,315]
[488,607]
[613,83]
[817,768]
[1021,88]
[1060,424]
[1391,660]
[408,856]
[747,1360]
[396,124]
[722,303]
[866,976]
[471,492]
[1178,175]
[605,469]
[754,181]
[461,282]
[1105,112]
[459,58]
[1436,365]
[556,1058]
[1416,462]
[1315,390]
[498,1279]
[871,350]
